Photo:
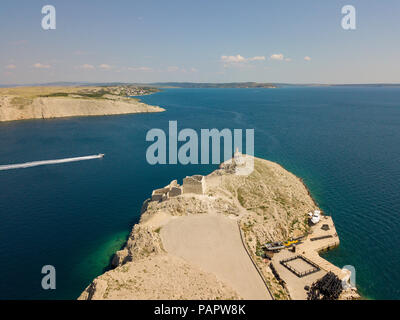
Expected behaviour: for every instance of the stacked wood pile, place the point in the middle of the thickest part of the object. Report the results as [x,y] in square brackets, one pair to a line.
[329,287]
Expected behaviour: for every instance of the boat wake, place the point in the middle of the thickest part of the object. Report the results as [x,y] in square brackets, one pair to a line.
[46,162]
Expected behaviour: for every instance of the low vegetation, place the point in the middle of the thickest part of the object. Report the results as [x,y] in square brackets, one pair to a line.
[24,95]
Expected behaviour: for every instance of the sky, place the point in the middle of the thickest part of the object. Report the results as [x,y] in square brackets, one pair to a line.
[285,41]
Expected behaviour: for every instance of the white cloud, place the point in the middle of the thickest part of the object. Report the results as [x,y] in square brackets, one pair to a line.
[307,58]
[257,58]
[41,66]
[239,60]
[87,67]
[105,66]
[11,66]
[144,69]
[233,59]
[276,56]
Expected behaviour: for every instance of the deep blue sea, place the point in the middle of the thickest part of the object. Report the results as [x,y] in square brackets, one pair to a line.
[343,141]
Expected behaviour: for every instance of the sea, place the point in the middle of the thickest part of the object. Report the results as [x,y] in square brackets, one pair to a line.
[343,141]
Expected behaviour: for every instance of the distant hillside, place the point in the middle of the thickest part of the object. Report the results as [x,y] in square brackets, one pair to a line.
[214,85]
[67,101]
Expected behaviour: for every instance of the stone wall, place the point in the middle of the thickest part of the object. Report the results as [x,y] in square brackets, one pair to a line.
[171,190]
[194,184]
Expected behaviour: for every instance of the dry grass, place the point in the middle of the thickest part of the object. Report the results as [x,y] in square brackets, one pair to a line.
[34,92]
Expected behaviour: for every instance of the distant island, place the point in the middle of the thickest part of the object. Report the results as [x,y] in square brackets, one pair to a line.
[154,85]
[215,85]
[207,239]
[45,102]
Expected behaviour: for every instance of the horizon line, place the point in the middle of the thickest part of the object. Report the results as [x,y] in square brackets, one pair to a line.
[79,83]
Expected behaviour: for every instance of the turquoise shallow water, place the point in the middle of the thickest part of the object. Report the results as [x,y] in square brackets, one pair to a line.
[344,143]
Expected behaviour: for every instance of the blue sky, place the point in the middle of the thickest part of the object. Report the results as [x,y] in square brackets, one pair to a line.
[200,41]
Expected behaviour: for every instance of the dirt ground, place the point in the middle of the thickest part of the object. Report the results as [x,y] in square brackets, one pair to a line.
[213,243]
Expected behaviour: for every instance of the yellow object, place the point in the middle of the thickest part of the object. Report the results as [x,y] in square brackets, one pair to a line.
[289,243]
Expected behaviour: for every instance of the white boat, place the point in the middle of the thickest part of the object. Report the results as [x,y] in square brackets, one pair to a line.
[315,217]
[48,162]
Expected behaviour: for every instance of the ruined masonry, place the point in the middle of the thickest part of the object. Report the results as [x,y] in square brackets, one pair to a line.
[194,184]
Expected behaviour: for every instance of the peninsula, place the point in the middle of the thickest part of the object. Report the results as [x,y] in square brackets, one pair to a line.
[39,102]
[207,239]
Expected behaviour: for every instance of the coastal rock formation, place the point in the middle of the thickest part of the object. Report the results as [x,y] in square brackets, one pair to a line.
[160,277]
[17,104]
[210,239]
[142,242]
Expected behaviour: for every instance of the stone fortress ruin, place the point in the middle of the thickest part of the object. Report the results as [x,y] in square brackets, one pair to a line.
[191,184]
[194,184]
[240,164]
[197,184]
[169,191]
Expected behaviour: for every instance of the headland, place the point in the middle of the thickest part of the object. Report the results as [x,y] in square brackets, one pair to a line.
[207,239]
[20,103]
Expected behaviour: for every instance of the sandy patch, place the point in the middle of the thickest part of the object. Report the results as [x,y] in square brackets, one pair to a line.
[213,243]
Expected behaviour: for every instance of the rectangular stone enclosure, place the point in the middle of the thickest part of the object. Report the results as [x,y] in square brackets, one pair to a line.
[300,266]
[194,184]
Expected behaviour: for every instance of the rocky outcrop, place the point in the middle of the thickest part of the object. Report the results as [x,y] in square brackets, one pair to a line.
[159,277]
[142,243]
